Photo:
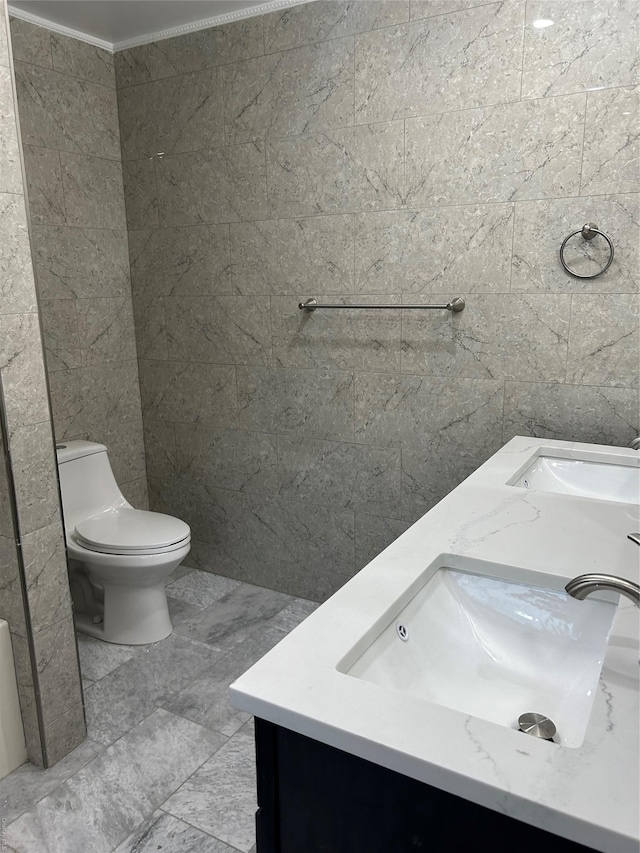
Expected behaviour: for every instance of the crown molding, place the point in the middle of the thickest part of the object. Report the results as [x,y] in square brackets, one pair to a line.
[147,38]
[58,28]
[206,23]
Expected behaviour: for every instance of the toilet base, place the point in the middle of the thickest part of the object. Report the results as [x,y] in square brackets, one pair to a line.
[122,599]
[130,617]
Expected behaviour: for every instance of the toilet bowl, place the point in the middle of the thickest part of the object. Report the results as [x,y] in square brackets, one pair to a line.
[119,557]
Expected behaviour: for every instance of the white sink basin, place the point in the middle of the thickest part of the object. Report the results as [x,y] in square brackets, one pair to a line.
[591,479]
[493,649]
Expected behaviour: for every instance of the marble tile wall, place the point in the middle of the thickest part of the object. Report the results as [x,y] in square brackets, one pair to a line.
[69,120]
[388,151]
[34,592]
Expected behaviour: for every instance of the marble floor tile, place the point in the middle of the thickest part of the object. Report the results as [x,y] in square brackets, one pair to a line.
[235,617]
[126,696]
[293,614]
[181,570]
[180,611]
[98,659]
[206,700]
[164,832]
[103,803]
[201,589]
[22,789]
[220,798]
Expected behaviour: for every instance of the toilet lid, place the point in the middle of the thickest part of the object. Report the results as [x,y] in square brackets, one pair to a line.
[126,530]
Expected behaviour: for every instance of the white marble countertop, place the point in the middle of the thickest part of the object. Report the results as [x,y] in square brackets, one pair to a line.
[588,794]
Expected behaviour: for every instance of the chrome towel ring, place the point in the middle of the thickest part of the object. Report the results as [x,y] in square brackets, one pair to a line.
[588,231]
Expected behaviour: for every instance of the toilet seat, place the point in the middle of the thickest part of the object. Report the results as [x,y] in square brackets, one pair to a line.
[124,530]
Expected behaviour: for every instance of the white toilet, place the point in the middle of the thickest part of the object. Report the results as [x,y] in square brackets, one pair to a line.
[120,557]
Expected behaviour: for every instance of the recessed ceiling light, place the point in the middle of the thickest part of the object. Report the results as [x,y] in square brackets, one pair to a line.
[541,23]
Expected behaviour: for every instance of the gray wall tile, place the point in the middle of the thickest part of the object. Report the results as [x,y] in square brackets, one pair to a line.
[265,538]
[318,404]
[422,412]
[44,183]
[74,263]
[83,60]
[612,141]
[496,337]
[525,150]
[186,261]
[150,325]
[226,459]
[132,66]
[436,250]
[427,477]
[428,8]
[604,341]
[60,333]
[31,43]
[306,89]
[45,563]
[12,606]
[220,185]
[11,176]
[301,170]
[105,330]
[416,68]
[35,476]
[4,44]
[17,291]
[65,734]
[189,393]
[182,113]
[93,191]
[590,45]
[353,476]
[194,51]
[26,696]
[137,493]
[85,399]
[374,534]
[140,193]
[23,377]
[62,112]
[587,413]
[295,26]
[126,446]
[161,448]
[217,329]
[293,256]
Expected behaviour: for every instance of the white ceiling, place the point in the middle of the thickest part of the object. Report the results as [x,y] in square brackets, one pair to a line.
[121,23]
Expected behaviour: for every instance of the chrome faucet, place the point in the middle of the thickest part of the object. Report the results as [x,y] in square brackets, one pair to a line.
[585,585]
[634,444]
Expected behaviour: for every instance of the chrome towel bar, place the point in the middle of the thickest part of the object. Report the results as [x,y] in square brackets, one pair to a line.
[455,305]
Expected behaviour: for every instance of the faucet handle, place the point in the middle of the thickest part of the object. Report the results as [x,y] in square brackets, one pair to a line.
[635,537]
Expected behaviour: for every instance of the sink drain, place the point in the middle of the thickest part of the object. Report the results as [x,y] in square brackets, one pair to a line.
[402,631]
[537,725]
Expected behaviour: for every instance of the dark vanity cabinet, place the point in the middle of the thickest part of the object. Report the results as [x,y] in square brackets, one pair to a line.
[314,798]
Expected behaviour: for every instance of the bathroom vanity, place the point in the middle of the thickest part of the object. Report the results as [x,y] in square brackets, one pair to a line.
[388,720]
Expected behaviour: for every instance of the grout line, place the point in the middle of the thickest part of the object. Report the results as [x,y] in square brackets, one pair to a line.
[329,129]
[584,137]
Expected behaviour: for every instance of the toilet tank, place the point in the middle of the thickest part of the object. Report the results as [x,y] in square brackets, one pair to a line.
[87,483]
